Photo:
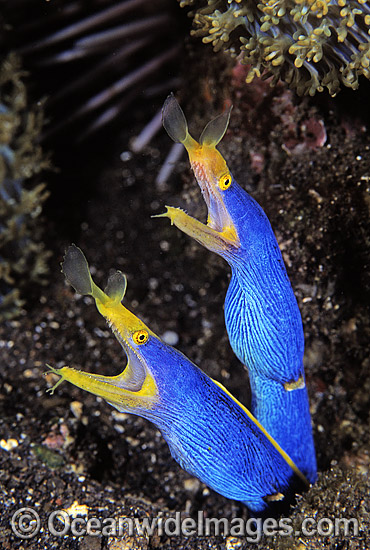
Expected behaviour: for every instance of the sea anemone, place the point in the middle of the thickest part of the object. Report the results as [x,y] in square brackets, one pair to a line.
[309,44]
[92,60]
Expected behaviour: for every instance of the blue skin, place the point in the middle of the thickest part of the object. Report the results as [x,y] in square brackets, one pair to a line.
[261,313]
[210,435]
[208,432]
[265,329]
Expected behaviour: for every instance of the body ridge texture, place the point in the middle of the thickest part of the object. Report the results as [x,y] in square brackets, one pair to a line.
[261,312]
[210,434]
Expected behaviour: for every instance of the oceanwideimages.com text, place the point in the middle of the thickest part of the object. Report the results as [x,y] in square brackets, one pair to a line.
[26,523]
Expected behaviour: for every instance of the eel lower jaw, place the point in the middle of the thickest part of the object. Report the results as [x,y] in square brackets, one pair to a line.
[218,219]
[136,371]
[218,216]
[134,383]
[221,242]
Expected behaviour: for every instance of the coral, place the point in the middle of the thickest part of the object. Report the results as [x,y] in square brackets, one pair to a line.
[339,496]
[23,255]
[310,44]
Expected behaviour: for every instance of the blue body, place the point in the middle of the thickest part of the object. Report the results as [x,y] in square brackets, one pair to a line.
[210,435]
[265,329]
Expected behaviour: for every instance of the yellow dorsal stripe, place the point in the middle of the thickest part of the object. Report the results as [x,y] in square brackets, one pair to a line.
[269,437]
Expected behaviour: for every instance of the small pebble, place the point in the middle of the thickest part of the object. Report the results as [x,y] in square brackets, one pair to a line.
[8,444]
[234,543]
[76,408]
[192,485]
[77,509]
[120,417]
[125,156]
[119,428]
[170,337]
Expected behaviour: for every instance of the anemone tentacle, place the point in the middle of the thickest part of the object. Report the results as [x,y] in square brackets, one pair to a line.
[310,44]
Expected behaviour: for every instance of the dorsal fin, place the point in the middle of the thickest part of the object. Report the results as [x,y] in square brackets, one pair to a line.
[76,270]
[215,129]
[174,121]
[116,286]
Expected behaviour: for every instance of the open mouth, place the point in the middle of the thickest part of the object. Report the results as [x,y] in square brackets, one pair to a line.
[135,373]
[218,217]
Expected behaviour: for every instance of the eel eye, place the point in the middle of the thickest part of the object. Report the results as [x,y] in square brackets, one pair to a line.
[140,336]
[225,182]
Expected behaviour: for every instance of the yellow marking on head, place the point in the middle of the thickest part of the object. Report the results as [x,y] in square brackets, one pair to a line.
[76,271]
[204,152]
[135,384]
[121,320]
[207,159]
[110,388]
[210,170]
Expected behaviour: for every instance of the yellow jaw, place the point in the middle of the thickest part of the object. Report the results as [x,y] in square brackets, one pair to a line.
[212,175]
[219,242]
[135,388]
[112,388]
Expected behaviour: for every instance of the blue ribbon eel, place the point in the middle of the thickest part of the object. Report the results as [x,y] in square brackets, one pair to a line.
[262,317]
[209,433]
